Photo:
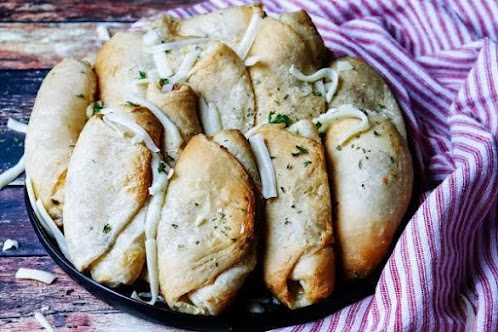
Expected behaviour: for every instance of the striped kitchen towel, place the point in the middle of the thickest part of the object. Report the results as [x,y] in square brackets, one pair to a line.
[441,59]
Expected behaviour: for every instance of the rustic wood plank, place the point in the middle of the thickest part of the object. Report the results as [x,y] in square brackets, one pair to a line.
[81,11]
[69,305]
[42,45]
[14,224]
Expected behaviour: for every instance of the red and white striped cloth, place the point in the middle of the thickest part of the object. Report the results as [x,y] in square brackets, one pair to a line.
[441,59]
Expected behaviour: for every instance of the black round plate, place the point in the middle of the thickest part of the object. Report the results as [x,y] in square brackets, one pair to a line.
[236,318]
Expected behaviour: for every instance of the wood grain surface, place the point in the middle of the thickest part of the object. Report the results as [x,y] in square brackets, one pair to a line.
[34,36]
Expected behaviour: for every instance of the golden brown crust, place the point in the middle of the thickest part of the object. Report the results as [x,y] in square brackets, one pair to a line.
[207,222]
[118,65]
[372,177]
[302,24]
[58,117]
[279,47]
[107,184]
[363,87]
[299,220]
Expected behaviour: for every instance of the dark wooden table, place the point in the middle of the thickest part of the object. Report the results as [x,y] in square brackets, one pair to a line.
[33,37]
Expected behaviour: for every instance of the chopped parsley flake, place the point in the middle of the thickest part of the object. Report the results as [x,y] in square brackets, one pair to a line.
[382,106]
[175,226]
[162,167]
[142,75]
[129,103]
[318,124]
[107,228]
[163,81]
[97,108]
[289,167]
[81,95]
[196,204]
[307,163]
[286,221]
[283,189]
[376,133]
[300,150]
[278,118]
[286,96]
[360,164]
[338,148]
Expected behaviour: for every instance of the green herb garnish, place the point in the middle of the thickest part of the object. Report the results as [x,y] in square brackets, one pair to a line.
[142,75]
[338,148]
[376,133]
[129,103]
[81,95]
[278,118]
[97,108]
[300,150]
[161,167]
[107,228]
[307,163]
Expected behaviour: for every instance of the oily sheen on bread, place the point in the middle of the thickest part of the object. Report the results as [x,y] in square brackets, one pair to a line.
[56,121]
[298,265]
[205,235]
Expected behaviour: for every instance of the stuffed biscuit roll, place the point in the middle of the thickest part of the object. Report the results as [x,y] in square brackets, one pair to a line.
[205,235]
[221,78]
[298,263]
[54,127]
[372,177]
[278,48]
[107,185]
[371,172]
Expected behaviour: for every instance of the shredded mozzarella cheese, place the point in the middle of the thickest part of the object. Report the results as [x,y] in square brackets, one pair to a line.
[344,66]
[152,266]
[176,45]
[265,166]
[343,112]
[126,121]
[38,275]
[163,66]
[12,173]
[43,322]
[17,125]
[320,74]
[184,70]
[249,36]
[254,129]
[103,32]
[210,117]
[151,38]
[251,61]
[9,244]
[53,230]
[173,138]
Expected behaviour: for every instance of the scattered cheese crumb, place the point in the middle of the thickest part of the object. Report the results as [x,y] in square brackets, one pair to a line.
[9,244]
[43,321]
[38,275]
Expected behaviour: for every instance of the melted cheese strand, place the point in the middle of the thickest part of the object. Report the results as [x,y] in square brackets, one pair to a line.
[17,125]
[141,135]
[38,275]
[265,166]
[249,36]
[318,75]
[12,173]
[344,66]
[32,201]
[343,112]
[163,67]
[43,322]
[251,61]
[160,183]
[152,266]
[53,230]
[320,87]
[184,69]
[176,45]
[172,138]
[210,117]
